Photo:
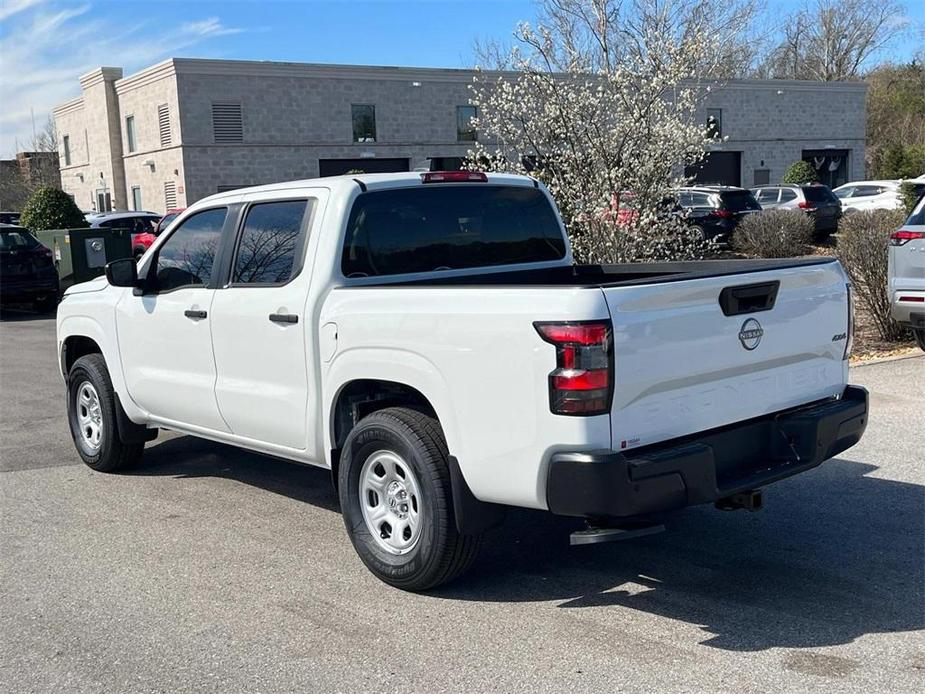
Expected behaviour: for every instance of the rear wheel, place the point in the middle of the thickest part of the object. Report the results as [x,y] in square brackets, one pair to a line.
[699,232]
[395,495]
[919,334]
[91,413]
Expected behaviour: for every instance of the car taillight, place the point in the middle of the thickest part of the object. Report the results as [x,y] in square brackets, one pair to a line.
[582,383]
[849,343]
[805,205]
[724,214]
[454,177]
[904,236]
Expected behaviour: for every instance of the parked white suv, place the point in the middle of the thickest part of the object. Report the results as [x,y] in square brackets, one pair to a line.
[869,195]
[907,273]
[427,338]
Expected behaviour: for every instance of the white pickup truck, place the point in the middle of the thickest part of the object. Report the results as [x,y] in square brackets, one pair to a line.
[428,339]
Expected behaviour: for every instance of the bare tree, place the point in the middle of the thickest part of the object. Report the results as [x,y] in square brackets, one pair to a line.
[832,40]
[604,99]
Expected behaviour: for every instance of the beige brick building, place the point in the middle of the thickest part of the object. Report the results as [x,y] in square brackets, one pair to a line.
[183,129]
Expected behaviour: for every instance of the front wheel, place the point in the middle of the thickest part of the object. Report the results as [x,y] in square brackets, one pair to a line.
[91,414]
[919,334]
[395,495]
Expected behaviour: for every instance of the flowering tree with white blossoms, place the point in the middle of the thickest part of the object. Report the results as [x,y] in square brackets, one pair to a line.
[600,101]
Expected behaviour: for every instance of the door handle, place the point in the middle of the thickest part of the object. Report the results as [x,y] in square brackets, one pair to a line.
[190,313]
[284,318]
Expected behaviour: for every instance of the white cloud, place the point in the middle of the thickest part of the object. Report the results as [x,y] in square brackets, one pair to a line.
[46,45]
[208,27]
[11,7]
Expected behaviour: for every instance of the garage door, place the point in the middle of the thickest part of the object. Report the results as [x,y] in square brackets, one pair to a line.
[717,168]
[338,167]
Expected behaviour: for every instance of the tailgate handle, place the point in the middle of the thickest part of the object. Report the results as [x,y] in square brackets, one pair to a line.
[748,298]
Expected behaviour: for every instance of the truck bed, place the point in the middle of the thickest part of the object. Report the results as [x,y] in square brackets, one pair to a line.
[611,275]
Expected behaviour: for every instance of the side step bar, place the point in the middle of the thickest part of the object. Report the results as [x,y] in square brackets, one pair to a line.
[593,534]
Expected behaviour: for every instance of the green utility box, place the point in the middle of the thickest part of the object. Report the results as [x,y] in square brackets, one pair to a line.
[82,254]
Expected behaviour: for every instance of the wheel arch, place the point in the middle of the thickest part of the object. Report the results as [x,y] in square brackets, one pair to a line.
[80,335]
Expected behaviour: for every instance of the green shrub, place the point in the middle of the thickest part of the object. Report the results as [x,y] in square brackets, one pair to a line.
[908,196]
[800,172]
[863,241]
[774,234]
[50,208]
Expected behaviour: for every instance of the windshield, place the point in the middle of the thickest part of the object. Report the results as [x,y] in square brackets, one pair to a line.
[739,200]
[15,239]
[442,227]
[167,219]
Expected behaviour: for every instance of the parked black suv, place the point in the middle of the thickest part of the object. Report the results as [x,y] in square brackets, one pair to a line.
[27,270]
[715,211]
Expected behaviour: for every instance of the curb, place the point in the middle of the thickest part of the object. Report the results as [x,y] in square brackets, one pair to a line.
[883,360]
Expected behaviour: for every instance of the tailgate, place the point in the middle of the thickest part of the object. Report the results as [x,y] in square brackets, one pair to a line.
[683,366]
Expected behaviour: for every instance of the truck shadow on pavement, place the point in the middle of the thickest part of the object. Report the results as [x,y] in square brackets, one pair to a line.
[835,554]
[190,457]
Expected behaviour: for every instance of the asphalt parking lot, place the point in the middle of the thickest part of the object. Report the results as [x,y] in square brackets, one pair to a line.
[212,569]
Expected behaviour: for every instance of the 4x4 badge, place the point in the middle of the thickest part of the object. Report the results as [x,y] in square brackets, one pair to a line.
[750,334]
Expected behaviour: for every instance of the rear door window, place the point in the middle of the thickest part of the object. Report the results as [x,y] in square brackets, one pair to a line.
[767,195]
[786,195]
[701,200]
[441,227]
[865,191]
[269,248]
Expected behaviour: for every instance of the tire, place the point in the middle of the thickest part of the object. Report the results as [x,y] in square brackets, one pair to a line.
[919,334]
[699,232]
[423,550]
[91,414]
[137,252]
[46,305]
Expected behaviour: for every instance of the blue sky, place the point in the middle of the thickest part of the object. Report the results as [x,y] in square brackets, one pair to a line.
[46,44]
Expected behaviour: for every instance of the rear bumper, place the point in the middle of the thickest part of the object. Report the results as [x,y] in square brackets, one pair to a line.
[15,290]
[912,311]
[705,467]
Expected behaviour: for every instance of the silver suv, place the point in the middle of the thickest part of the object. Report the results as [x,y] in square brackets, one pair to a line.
[816,200]
[907,273]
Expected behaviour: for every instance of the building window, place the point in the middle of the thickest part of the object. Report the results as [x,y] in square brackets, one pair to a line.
[762,177]
[364,122]
[170,195]
[130,133]
[227,123]
[465,128]
[136,198]
[66,145]
[163,124]
[714,122]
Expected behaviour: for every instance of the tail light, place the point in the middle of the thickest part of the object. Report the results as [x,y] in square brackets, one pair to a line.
[805,205]
[454,177]
[849,342]
[904,236]
[582,383]
[724,214]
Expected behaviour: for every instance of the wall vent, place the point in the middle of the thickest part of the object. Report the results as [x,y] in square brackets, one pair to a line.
[163,124]
[227,122]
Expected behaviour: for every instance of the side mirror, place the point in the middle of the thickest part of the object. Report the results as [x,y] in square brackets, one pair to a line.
[122,273]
